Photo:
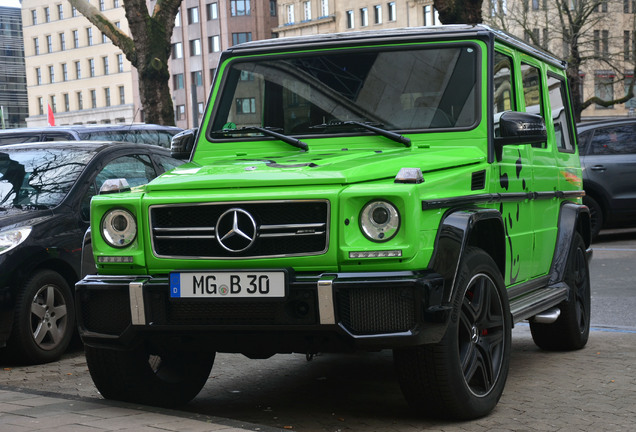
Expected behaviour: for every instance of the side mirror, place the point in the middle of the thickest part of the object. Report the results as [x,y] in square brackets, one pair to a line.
[182,144]
[519,128]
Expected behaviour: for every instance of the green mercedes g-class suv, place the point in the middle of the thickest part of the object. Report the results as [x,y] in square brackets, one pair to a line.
[417,190]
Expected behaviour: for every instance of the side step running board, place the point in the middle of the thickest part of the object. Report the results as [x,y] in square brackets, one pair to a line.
[539,302]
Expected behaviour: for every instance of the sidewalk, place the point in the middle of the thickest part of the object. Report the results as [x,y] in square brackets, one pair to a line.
[28,410]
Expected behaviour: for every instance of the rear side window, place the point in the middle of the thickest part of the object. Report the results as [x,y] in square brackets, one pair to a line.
[9,139]
[560,114]
[620,139]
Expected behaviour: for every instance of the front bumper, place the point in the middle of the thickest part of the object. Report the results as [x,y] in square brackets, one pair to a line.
[320,313]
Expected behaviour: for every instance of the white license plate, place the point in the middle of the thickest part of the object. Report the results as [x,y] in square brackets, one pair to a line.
[228,284]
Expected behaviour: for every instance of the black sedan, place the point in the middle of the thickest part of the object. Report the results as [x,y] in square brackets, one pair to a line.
[45,192]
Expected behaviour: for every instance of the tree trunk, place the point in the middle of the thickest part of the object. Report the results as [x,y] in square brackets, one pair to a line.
[459,11]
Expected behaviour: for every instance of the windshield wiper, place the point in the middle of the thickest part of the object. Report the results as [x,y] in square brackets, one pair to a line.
[373,127]
[267,131]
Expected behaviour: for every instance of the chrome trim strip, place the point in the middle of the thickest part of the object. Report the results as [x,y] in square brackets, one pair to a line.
[325,301]
[137,311]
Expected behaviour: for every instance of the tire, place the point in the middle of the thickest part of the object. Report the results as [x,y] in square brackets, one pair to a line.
[596,215]
[167,380]
[463,376]
[44,321]
[572,329]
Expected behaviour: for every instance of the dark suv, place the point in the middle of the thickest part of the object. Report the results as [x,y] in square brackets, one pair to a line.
[608,158]
[135,133]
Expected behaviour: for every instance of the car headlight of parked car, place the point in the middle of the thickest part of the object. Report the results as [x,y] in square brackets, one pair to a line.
[379,220]
[119,228]
[10,238]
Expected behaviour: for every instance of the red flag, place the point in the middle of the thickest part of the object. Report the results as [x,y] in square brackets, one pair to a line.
[51,117]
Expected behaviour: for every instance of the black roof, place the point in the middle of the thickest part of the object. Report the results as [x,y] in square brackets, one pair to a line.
[445,32]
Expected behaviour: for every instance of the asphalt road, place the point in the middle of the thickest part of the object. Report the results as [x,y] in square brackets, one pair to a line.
[613,280]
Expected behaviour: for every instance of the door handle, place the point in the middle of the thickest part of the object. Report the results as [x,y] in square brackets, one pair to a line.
[598,168]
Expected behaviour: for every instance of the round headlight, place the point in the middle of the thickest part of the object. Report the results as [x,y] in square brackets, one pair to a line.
[119,228]
[379,221]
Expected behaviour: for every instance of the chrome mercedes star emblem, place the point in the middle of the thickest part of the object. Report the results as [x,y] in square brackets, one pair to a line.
[236,230]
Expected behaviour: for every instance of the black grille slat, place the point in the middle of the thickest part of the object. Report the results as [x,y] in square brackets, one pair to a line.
[283,228]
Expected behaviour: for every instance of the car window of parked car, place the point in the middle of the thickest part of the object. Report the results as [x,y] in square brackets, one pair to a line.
[168,163]
[18,139]
[619,139]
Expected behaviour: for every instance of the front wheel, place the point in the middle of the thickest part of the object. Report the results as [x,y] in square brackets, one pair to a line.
[44,318]
[572,329]
[167,380]
[463,376]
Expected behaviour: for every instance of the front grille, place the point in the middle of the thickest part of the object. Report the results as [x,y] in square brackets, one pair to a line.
[267,229]
[376,310]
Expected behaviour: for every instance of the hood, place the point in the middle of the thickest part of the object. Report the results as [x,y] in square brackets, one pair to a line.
[310,168]
[14,217]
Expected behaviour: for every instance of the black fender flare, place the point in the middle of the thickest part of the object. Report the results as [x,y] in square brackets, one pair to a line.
[572,218]
[481,227]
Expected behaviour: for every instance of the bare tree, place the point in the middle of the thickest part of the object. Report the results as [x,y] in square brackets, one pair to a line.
[147,48]
[579,31]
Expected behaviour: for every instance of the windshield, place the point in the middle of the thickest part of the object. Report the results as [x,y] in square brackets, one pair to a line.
[428,87]
[36,178]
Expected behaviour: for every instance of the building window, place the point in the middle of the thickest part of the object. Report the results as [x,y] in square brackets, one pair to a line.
[102,5]
[214,44]
[193,15]
[51,74]
[120,63]
[91,67]
[290,14]
[181,112]
[104,38]
[364,17]
[38,75]
[239,7]
[80,101]
[60,12]
[238,38]
[34,17]
[105,62]
[41,105]
[78,70]
[122,96]
[627,45]
[54,104]
[115,4]
[307,11]
[601,43]
[64,72]
[324,8]
[177,50]
[93,99]
[212,10]
[350,22]
[36,46]
[47,14]
[89,36]
[195,47]
[67,103]
[197,78]
[604,87]
[246,105]
[431,17]
[74,12]
[177,81]
[377,14]
[177,19]
[272,8]
[392,11]
[49,44]
[107,96]
[62,41]
[75,39]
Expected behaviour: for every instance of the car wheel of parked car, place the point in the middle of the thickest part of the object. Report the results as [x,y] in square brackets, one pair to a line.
[572,329]
[463,376]
[167,380]
[596,214]
[44,318]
